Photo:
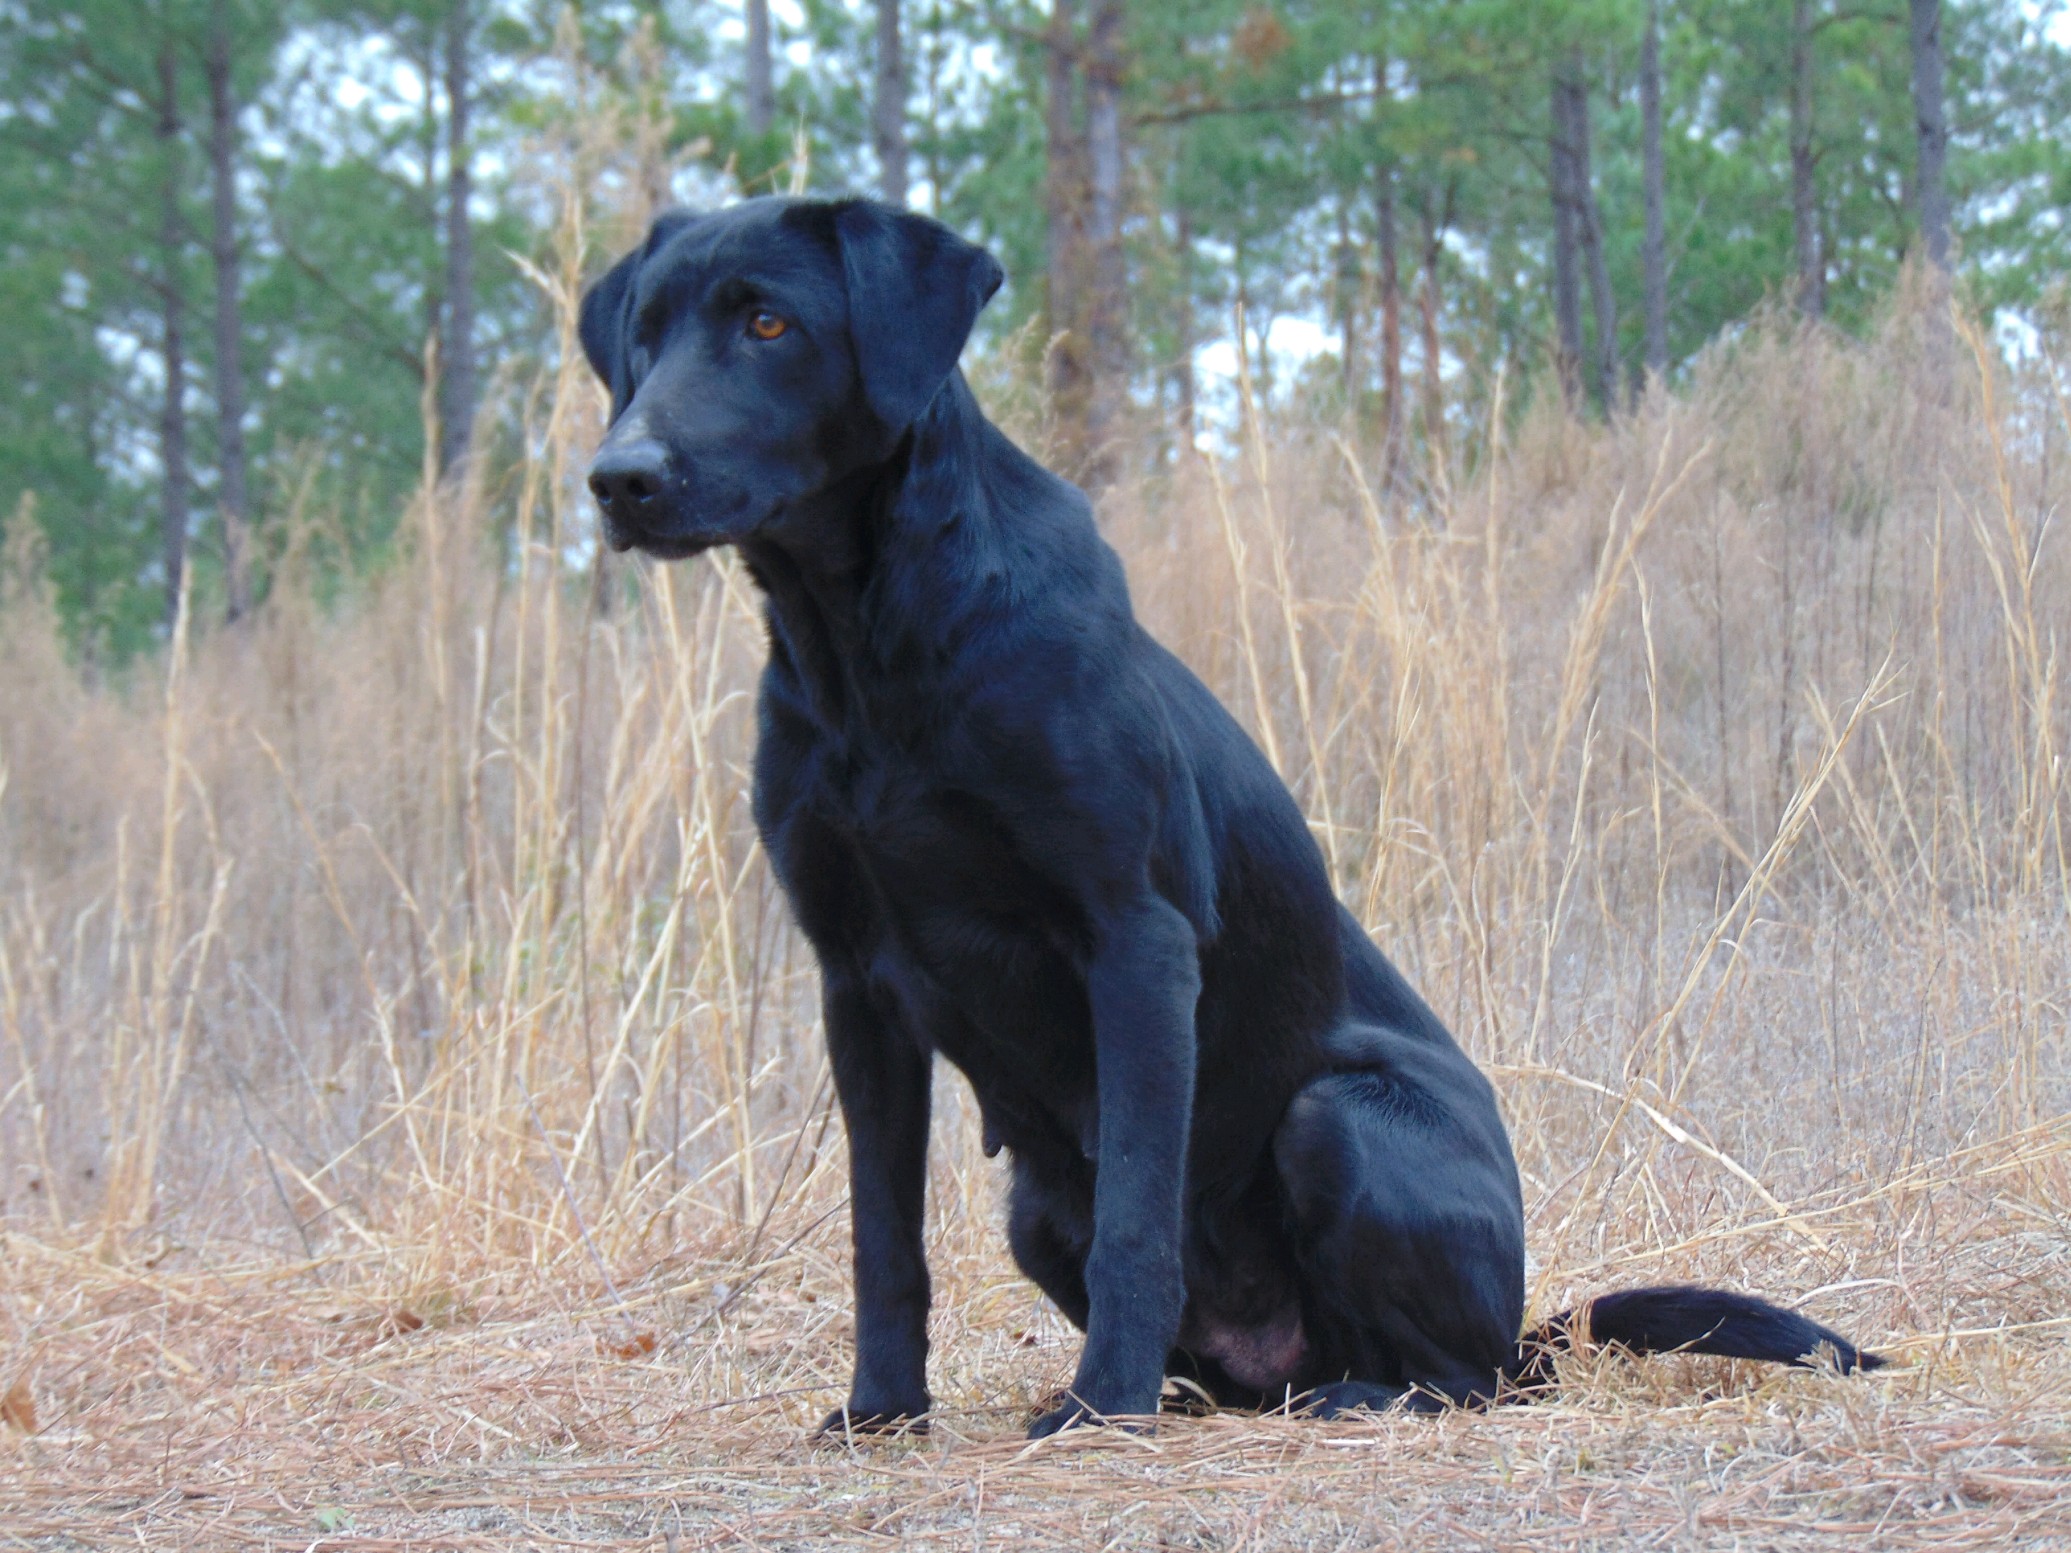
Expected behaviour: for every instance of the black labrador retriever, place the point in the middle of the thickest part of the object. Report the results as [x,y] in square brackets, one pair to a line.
[1018,832]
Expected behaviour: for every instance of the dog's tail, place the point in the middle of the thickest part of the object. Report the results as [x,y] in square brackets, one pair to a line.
[1676,1318]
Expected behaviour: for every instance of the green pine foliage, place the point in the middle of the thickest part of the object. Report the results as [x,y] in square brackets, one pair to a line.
[1259,138]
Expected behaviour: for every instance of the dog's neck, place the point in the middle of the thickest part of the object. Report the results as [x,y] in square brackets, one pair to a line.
[864,578]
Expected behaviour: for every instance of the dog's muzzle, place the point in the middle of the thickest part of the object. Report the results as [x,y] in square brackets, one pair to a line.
[628,479]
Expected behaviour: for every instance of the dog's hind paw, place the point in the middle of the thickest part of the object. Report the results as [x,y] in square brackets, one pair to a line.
[1345,1397]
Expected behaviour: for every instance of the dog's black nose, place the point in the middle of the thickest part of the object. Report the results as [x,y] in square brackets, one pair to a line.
[627,477]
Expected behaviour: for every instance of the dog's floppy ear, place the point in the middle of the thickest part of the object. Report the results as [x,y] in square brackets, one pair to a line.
[603,326]
[915,289]
[605,323]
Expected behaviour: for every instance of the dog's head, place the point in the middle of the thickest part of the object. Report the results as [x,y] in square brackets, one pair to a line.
[759,354]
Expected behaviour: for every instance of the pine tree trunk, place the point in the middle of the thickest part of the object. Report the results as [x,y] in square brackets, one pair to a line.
[1107,313]
[1262,330]
[888,109]
[230,386]
[428,159]
[761,94]
[1347,299]
[1931,123]
[1591,231]
[1567,226]
[172,415]
[1391,326]
[1434,356]
[1260,321]
[1811,296]
[931,142]
[1183,366]
[1654,247]
[1064,201]
[457,344]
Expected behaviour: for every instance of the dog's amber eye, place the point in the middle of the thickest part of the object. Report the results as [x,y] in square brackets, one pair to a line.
[766,326]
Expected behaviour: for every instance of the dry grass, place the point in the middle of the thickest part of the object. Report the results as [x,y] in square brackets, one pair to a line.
[413,1128]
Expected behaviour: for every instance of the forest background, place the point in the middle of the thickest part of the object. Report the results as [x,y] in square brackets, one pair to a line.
[241,239]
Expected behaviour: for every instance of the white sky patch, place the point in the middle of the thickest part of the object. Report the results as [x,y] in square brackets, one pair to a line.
[1292,342]
[2019,340]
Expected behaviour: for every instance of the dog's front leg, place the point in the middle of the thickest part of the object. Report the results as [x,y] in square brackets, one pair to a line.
[1144,982]
[882,1076]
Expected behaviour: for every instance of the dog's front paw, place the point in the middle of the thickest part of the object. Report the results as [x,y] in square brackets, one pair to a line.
[855,1417]
[1064,1410]
[1054,1420]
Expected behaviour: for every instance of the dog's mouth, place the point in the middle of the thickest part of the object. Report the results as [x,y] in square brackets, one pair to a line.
[668,541]
[663,547]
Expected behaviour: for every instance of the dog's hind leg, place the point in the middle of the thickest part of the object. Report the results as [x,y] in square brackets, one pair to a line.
[1409,1237]
[1050,1230]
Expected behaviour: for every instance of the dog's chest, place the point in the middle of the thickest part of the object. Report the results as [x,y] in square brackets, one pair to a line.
[977,949]
[925,839]
[946,876]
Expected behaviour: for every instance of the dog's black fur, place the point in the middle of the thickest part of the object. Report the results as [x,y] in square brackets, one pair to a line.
[1020,833]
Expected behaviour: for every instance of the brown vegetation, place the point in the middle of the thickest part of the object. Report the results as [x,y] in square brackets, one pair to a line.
[414,1130]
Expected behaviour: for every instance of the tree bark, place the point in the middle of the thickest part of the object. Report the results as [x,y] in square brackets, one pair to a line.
[1931,123]
[888,109]
[1811,296]
[761,93]
[1347,277]
[1064,201]
[1391,325]
[457,390]
[1260,322]
[1183,367]
[232,495]
[1107,313]
[931,142]
[1591,225]
[1436,220]
[1654,247]
[172,414]
[1390,281]
[427,129]
[1567,226]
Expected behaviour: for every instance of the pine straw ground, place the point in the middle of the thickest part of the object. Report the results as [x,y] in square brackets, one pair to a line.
[254,1407]
[414,1130]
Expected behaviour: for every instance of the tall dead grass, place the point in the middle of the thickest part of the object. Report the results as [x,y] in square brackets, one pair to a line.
[1707,772]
